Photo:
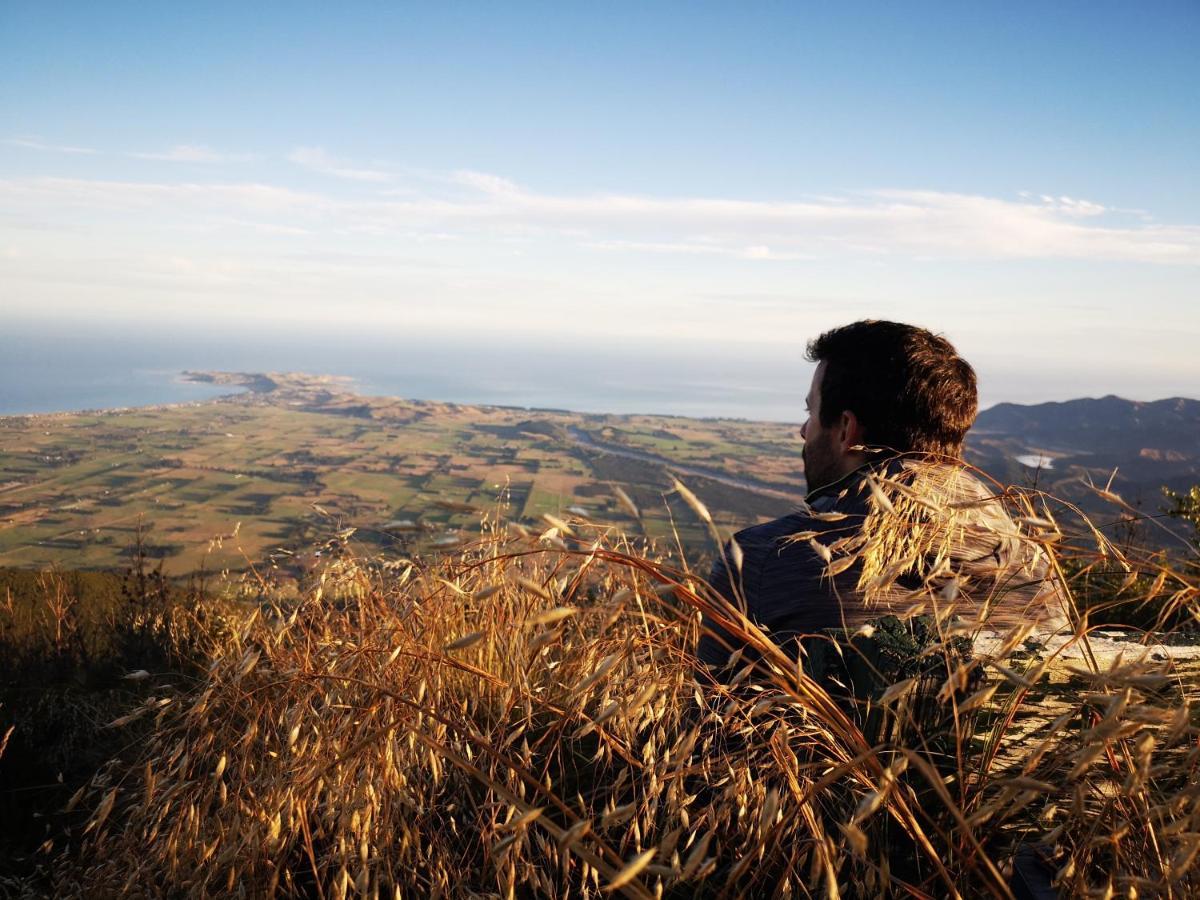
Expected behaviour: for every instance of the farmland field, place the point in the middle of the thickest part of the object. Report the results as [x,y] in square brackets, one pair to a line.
[245,478]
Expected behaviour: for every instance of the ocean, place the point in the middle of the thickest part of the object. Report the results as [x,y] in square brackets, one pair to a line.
[75,367]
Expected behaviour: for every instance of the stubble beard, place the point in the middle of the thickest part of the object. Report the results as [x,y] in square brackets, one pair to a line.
[818,472]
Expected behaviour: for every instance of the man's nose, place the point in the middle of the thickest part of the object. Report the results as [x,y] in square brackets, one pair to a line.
[804,431]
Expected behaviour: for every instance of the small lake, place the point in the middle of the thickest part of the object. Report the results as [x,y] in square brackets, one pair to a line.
[1036,461]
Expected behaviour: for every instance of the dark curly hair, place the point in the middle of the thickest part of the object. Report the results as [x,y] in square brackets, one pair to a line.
[909,388]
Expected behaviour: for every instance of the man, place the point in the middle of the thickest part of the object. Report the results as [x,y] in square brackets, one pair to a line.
[894,523]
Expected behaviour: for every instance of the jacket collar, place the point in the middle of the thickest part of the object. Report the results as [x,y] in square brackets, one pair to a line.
[833,489]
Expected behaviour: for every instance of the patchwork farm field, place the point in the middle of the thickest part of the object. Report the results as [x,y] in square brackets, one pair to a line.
[265,474]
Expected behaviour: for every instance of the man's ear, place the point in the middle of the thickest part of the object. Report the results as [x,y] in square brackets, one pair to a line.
[851,433]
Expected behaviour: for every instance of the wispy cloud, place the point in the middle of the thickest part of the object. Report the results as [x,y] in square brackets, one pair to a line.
[700,248]
[913,224]
[1068,205]
[897,224]
[34,144]
[316,159]
[195,153]
[485,182]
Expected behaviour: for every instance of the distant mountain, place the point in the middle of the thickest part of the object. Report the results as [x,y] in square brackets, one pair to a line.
[1062,446]
[1107,424]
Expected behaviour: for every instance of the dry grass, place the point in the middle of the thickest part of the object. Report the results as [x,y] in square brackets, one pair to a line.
[522,718]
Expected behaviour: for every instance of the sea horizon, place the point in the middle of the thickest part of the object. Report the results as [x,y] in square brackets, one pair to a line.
[64,369]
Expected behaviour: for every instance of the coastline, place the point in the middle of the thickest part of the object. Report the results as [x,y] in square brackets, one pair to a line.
[243,385]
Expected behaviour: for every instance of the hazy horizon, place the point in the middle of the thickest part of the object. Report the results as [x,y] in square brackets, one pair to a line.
[71,367]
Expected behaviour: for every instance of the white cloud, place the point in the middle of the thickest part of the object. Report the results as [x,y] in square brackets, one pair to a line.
[34,144]
[195,153]
[317,160]
[485,182]
[911,224]
[878,225]
[698,248]
[157,203]
[1068,205]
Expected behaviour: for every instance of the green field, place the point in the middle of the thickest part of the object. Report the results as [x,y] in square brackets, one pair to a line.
[232,481]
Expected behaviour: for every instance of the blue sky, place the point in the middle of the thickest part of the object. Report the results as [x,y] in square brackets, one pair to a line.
[1019,176]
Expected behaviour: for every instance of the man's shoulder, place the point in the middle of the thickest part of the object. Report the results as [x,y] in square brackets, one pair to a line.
[792,530]
[769,532]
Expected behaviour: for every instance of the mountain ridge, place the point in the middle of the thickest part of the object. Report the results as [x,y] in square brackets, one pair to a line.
[1104,424]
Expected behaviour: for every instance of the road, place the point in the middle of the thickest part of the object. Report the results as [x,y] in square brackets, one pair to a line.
[583,439]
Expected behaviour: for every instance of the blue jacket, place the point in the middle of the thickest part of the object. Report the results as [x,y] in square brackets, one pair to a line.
[941,537]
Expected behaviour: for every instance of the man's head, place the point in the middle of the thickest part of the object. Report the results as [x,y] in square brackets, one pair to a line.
[883,385]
